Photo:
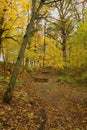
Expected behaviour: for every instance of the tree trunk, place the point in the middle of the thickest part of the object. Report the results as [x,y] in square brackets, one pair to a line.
[64,49]
[26,62]
[64,53]
[8,95]
[29,32]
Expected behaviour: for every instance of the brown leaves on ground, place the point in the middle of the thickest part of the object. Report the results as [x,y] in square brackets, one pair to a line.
[45,106]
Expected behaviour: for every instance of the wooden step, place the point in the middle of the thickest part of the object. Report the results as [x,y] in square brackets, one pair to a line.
[45,72]
[41,79]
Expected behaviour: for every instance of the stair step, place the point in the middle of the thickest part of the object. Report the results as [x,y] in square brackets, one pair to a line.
[41,79]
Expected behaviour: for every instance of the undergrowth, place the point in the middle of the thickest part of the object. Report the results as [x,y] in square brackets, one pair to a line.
[74,77]
[5,81]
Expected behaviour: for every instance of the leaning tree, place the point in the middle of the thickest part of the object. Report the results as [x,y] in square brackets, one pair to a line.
[36,16]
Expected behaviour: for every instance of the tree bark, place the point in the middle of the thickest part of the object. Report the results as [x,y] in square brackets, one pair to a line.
[64,52]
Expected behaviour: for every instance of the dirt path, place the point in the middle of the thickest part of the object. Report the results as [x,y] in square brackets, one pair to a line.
[45,105]
[65,106]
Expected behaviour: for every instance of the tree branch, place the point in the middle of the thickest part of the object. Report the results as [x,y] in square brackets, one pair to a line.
[3,38]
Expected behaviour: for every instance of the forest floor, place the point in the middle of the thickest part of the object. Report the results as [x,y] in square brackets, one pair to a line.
[42,103]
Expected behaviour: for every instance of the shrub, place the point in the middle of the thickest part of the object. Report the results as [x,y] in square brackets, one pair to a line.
[84,77]
[64,79]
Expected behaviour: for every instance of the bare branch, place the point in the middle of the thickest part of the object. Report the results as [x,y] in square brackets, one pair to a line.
[3,38]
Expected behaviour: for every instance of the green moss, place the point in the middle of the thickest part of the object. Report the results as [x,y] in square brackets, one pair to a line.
[64,79]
